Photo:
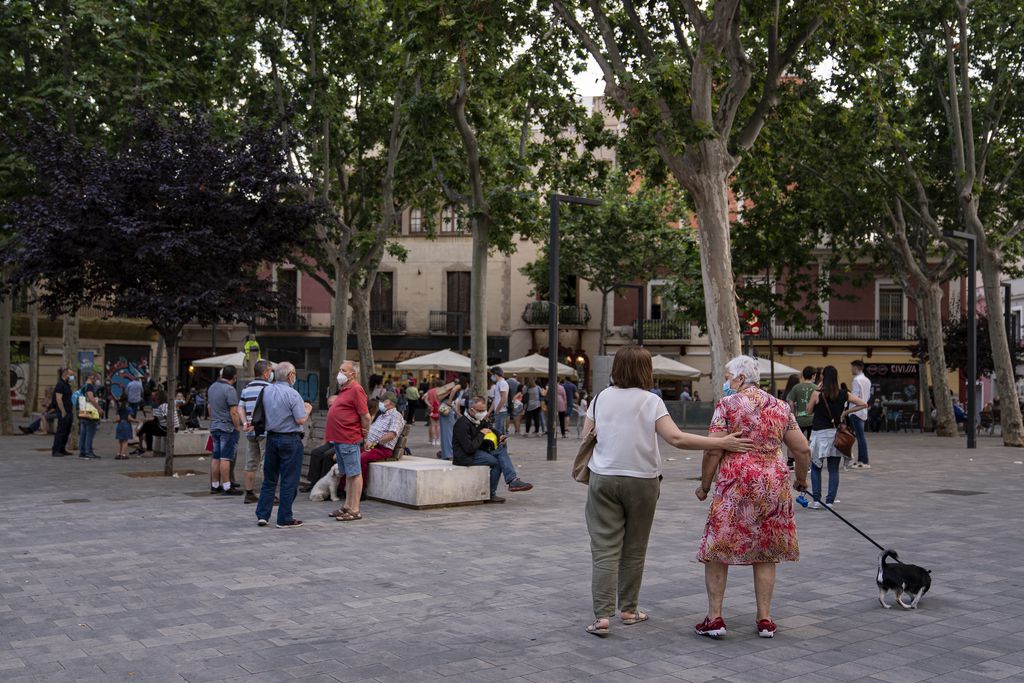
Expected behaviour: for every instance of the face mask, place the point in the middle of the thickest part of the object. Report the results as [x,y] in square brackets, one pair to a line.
[480,415]
[494,378]
[727,390]
[71,378]
[342,378]
[383,408]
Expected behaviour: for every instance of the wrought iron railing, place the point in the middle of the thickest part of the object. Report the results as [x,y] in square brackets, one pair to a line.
[448,322]
[287,318]
[843,330]
[665,329]
[384,322]
[537,312]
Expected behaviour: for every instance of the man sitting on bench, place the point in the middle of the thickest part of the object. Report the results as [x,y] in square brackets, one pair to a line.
[469,449]
[381,439]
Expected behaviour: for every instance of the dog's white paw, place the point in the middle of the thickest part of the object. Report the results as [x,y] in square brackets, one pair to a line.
[335,499]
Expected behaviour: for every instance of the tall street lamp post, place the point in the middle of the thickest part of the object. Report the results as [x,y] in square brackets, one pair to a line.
[972,334]
[553,296]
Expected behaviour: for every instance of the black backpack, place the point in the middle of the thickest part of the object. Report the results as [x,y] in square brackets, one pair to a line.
[259,416]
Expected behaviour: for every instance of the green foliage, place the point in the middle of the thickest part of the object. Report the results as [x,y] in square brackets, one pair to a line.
[630,237]
[954,333]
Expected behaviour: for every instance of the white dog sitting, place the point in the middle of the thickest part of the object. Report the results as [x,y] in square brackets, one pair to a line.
[327,487]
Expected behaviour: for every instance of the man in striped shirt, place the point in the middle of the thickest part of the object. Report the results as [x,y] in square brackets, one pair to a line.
[254,442]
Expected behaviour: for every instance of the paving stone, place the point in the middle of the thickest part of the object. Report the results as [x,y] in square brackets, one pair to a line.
[145,583]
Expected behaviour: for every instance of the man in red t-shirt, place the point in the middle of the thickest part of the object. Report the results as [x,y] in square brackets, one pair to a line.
[348,422]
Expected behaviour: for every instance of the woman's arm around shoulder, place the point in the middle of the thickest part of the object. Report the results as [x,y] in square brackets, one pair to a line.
[667,429]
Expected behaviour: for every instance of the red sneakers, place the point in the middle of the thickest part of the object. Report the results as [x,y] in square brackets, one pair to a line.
[766,628]
[712,629]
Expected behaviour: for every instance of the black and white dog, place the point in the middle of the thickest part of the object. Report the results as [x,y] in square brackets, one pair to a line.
[901,578]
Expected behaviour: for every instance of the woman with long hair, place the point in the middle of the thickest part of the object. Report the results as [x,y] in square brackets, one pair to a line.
[829,406]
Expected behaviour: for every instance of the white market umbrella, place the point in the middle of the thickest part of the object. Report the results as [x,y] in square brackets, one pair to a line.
[439,360]
[781,369]
[534,364]
[236,359]
[673,369]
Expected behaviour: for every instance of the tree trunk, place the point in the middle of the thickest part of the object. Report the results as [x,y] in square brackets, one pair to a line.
[32,391]
[710,192]
[601,344]
[157,371]
[928,301]
[71,343]
[339,320]
[1013,430]
[364,338]
[172,409]
[478,311]
[6,318]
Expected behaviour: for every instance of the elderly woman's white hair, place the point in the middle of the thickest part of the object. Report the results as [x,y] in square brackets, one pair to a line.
[746,366]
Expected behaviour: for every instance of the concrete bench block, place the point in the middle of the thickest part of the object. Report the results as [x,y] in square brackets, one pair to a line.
[425,482]
[185,443]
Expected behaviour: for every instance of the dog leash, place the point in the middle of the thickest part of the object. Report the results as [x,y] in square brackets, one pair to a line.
[817,499]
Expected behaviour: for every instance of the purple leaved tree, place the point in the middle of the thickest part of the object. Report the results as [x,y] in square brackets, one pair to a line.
[174,227]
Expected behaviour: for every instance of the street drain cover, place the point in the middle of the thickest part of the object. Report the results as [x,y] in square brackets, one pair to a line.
[958,492]
[77,500]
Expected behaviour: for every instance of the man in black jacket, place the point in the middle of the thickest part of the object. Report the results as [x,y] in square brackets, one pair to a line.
[469,447]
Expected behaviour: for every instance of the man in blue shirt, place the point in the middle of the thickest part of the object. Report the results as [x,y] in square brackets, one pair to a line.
[285,413]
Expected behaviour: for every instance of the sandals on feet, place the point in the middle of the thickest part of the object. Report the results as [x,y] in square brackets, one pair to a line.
[348,516]
[637,617]
[340,511]
[596,629]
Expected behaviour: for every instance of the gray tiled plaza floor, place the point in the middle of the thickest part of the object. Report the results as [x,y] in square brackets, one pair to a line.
[139,580]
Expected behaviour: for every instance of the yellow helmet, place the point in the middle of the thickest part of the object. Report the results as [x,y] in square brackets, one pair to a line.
[492,437]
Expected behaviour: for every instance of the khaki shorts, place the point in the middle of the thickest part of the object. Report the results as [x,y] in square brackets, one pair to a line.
[254,453]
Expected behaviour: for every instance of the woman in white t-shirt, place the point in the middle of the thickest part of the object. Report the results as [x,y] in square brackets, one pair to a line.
[625,481]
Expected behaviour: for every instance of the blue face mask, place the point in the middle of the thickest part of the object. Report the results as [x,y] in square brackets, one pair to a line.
[727,390]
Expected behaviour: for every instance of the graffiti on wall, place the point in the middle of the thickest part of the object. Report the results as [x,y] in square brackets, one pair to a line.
[308,385]
[123,364]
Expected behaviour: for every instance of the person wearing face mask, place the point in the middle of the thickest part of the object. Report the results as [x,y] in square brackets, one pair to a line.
[284,415]
[254,443]
[61,402]
[380,442]
[348,425]
[470,448]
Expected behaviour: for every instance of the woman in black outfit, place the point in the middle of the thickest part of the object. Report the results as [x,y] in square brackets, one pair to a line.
[828,405]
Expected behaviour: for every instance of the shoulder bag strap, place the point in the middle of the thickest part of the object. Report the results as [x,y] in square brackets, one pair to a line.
[829,409]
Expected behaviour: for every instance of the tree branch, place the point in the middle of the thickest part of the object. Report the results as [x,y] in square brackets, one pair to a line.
[769,93]
[965,97]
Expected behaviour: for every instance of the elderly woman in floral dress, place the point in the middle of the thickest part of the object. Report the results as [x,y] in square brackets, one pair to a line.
[750,521]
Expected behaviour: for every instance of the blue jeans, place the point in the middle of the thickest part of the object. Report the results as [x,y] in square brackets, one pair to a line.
[86,434]
[447,425]
[485,458]
[857,425]
[505,463]
[833,480]
[225,444]
[282,460]
[499,423]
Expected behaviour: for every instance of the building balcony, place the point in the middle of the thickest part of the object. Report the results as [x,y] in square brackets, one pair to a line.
[287,318]
[448,322]
[384,322]
[846,330]
[667,330]
[536,314]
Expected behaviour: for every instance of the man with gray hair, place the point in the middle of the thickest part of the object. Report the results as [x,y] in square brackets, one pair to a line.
[263,370]
[284,414]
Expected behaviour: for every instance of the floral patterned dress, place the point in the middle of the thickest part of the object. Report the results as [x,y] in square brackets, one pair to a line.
[751,515]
